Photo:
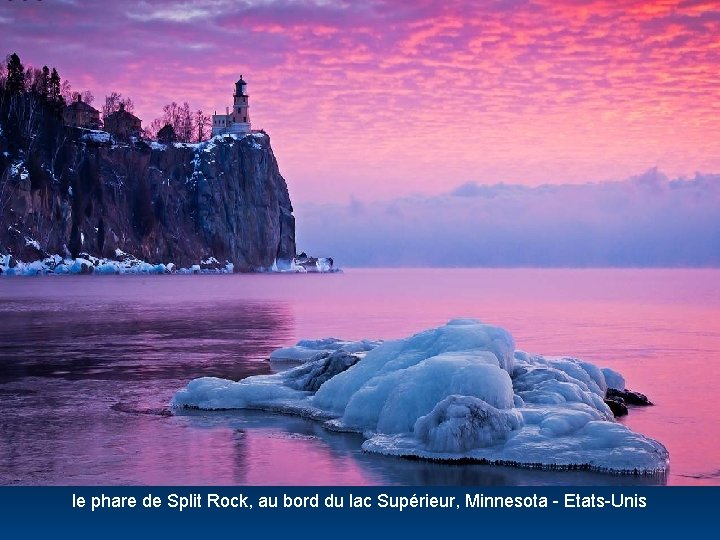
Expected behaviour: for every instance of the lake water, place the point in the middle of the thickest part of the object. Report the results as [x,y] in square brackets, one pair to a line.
[88,365]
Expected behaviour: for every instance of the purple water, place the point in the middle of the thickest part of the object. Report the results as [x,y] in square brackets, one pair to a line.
[88,365]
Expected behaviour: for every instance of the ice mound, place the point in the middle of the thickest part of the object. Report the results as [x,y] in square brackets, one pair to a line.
[260,392]
[461,423]
[459,391]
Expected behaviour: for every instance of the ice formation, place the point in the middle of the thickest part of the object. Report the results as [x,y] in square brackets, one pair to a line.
[314,349]
[128,264]
[87,264]
[613,379]
[305,265]
[96,136]
[460,391]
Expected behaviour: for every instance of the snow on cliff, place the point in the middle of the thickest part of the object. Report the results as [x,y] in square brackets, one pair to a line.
[222,198]
[453,392]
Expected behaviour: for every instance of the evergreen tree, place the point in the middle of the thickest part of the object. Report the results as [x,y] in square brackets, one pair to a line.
[55,96]
[54,88]
[44,82]
[16,75]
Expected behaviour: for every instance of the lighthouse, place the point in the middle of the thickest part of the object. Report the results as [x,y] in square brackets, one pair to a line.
[236,120]
[241,110]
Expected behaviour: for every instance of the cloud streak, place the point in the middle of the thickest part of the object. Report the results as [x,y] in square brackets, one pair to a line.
[646,220]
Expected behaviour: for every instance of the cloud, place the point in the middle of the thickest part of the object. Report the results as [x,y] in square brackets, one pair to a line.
[387,97]
[647,220]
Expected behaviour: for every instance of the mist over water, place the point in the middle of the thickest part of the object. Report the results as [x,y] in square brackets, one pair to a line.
[88,365]
[645,221]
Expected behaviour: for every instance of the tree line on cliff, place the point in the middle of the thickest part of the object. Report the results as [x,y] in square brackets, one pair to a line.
[177,123]
[34,140]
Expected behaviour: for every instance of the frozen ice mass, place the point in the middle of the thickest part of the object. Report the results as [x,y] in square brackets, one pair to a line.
[457,392]
[125,263]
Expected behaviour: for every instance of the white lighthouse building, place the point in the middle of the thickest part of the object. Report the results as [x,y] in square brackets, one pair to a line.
[236,120]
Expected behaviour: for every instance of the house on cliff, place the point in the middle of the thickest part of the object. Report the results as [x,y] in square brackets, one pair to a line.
[123,124]
[236,120]
[81,115]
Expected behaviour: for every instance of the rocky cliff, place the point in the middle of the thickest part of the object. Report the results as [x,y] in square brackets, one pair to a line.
[70,193]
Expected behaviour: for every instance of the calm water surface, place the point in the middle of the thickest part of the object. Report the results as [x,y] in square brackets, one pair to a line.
[88,365]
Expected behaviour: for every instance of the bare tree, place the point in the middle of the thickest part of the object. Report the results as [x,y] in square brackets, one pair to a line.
[151,131]
[86,96]
[202,126]
[3,75]
[39,81]
[113,103]
[184,129]
[188,126]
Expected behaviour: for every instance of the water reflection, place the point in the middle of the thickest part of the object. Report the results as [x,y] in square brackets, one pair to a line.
[265,443]
[134,342]
[84,388]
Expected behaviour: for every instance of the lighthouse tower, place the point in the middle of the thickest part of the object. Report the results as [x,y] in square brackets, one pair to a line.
[236,120]
[241,110]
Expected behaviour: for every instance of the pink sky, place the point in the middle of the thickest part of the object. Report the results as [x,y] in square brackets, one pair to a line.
[383,99]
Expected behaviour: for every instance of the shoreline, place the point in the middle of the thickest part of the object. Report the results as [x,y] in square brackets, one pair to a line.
[55,265]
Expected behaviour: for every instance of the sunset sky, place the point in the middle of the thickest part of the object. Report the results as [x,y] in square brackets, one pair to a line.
[384,99]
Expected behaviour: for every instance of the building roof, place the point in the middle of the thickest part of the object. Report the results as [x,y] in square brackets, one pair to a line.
[82,106]
[122,113]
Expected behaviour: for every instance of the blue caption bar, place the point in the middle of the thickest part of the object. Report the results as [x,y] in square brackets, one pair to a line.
[360,512]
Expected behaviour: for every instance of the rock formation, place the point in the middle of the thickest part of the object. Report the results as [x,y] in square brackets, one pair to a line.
[68,192]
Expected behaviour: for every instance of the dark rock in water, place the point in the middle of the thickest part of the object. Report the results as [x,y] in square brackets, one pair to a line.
[312,375]
[628,396]
[132,409]
[617,406]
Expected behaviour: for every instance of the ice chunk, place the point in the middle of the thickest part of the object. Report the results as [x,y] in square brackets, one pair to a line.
[613,379]
[108,268]
[565,422]
[307,350]
[462,423]
[459,391]
[476,343]
[212,393]
[296,354]
[88,264]
[393,401]
[553,381]
[599,445]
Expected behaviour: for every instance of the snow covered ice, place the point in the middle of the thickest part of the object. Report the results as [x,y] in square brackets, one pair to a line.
[459,391]
[314,349]
[123,263]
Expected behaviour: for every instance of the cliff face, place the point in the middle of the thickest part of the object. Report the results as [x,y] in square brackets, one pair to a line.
[224,198]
